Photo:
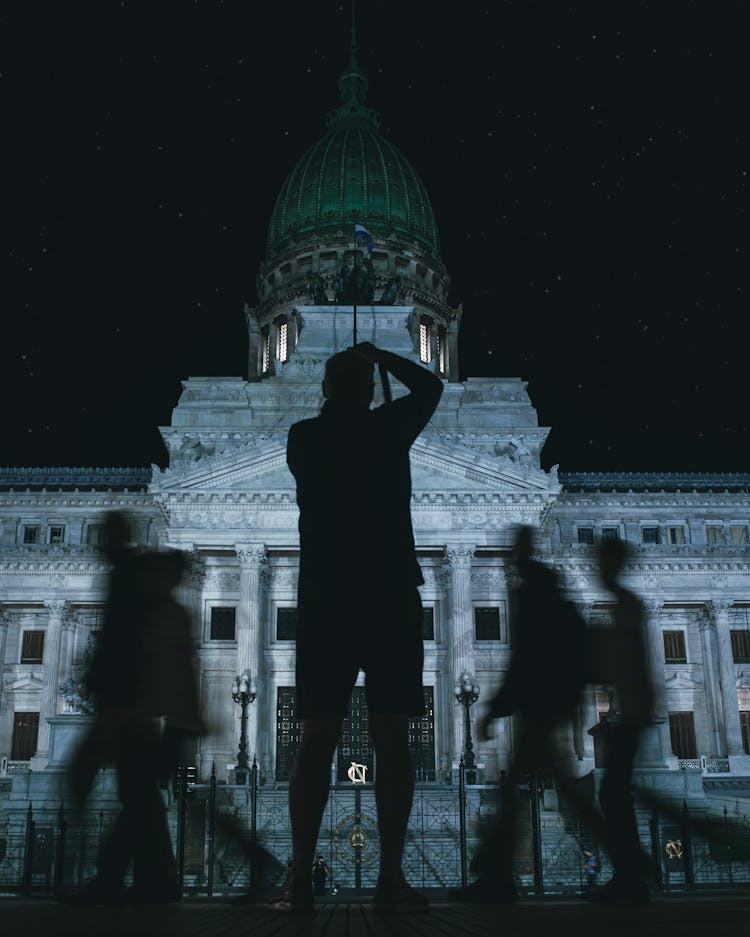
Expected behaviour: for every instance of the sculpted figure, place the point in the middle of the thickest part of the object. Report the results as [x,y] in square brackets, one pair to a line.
[391,291]
[318,296]
[355,280]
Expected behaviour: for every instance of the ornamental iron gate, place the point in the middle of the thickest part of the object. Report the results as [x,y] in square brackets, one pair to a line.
[232,839]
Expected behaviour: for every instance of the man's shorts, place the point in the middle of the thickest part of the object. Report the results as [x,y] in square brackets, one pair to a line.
[380,634]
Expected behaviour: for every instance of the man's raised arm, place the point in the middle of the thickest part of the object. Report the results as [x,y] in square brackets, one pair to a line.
[425,388]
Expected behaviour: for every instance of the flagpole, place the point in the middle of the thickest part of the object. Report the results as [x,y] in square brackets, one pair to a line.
[354,307]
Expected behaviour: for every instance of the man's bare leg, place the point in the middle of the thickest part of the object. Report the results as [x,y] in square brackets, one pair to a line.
[308,793]
[394,790]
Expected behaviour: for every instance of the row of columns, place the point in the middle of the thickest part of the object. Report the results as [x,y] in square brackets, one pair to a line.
[719,681]
[719,676]
[59,647]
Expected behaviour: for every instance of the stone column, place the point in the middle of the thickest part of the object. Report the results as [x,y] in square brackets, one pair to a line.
[56,608]
[658,744]
[190,592]
[253,345]
[70,622]
[712,685]
[461,637]
[252,557]
[5,623]
[719,611]
[452,340]
[292,334]
[587,714]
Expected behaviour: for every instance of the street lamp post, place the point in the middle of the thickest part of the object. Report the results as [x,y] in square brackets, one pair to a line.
[244,692]
[466,692]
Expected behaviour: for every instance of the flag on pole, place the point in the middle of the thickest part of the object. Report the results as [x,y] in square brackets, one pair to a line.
[364,234]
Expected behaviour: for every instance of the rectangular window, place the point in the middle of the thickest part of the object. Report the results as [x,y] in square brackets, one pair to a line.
[714,535]
[674,647]
[265,339]
[675,535]
[283,342]
[95,534]
[682,734]
[585,534]
[56,534]
[32,647]
[610,533]
[31,533]
[441,349]
[288,731]
[286,624]
[650,534]
[422,739]
[740,646]
[25,733]
[222,622]
[745,729]
[428,623]
[737,536]
[487,624]
[424,343]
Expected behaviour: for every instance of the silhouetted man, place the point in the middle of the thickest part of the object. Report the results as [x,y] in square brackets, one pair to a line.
[628,665]
[543,684]
[358,601]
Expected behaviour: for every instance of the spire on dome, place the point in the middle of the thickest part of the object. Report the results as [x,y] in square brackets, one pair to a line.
[353,87]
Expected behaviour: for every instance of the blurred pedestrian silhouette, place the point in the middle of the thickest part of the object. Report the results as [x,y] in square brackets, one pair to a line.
[625,667]
[590,867]
[543,685]
[358,601]
[319,876]
[144,682]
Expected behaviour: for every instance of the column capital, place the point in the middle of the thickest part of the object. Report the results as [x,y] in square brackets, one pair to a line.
[70,619]
[56,607]
[718,609]
[5,618]
[195,566]
[585,608]
[459,556]
[705,618]
[653,607]
[250,555]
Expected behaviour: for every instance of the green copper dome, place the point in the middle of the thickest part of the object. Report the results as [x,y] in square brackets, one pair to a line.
[353,174]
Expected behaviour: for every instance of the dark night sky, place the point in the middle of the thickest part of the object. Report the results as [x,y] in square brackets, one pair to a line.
[587,164]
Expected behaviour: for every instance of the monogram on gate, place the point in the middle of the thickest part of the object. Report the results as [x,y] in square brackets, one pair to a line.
[357,774]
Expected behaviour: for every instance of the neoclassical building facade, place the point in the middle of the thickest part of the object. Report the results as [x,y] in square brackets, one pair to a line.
[227,498]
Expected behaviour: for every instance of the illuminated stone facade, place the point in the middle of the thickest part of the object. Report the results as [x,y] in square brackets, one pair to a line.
[227,498]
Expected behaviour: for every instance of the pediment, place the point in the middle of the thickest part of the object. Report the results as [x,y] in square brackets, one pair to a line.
[436,467]
[439,466]
[681,681]
[26,681]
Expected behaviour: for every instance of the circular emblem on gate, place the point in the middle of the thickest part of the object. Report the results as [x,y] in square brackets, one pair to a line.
[673,849]
[356,842]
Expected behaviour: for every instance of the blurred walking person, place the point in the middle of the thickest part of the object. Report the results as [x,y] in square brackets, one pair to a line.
[543,686]
[627,668]
[145,686]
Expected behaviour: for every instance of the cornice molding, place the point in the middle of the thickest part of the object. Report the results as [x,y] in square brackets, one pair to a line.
[655,481]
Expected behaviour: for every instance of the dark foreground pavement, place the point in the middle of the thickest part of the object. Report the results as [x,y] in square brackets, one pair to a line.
[701,915]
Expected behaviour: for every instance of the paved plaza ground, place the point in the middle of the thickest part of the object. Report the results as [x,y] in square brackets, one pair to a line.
[701,915]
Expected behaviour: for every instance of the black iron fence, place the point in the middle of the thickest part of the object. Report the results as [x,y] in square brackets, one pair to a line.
[236,839]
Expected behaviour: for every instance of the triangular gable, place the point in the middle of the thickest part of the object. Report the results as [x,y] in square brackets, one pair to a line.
[680,681]
[27,681]
[436,466]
